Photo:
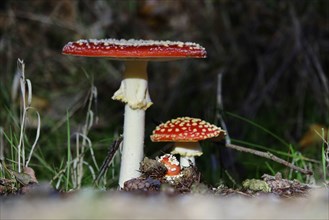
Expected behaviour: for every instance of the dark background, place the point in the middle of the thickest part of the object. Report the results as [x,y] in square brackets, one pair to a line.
[272,56]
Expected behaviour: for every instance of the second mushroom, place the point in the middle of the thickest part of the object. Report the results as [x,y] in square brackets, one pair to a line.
[186,133]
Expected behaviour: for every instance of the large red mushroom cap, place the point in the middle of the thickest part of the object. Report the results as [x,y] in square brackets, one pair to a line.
[135,49]
[186,129]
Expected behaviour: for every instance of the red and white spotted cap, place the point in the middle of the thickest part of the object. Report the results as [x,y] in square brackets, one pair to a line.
[171,163]
[186,129]
[135,49]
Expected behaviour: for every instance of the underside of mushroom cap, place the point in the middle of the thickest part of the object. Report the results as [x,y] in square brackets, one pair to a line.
[187,149]
[135,49]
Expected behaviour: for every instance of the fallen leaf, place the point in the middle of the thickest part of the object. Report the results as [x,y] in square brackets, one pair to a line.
[312,136]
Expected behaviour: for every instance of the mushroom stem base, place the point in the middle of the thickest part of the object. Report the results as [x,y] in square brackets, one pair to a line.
[133,144]
[184,161]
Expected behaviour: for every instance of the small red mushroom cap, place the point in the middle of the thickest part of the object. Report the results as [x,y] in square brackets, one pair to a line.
[171,163]
[186,129]
[135,49]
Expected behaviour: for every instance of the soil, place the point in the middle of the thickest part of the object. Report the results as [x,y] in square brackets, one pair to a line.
[155,195]
[154,179]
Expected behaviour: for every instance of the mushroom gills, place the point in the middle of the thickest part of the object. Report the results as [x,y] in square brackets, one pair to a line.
[187,151]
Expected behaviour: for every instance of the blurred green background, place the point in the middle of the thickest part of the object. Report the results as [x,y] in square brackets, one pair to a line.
[271,56]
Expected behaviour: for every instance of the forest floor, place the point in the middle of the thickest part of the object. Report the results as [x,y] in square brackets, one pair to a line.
[91,204]
[154,196]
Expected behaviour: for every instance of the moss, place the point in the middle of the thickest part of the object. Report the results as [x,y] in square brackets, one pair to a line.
[256,185]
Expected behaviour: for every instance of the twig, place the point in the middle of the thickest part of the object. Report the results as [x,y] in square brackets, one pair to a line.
[112,150]
[270,156]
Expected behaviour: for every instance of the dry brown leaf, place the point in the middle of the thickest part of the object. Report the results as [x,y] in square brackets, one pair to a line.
[312,136]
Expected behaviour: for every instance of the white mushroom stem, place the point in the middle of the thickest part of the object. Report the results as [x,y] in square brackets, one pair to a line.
[187,151]
[185,161]
[133,144]
[134,92]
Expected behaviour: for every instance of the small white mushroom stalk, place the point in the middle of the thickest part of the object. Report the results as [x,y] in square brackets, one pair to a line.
[134,92]
[187,151]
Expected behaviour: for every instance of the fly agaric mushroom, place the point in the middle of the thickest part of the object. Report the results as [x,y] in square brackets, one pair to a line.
[171,163]
[186,133]
[134,86]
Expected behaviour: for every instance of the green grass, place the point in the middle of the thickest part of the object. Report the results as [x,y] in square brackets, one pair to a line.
[68,161]
[290,153]
[325,156]
[51,165]
[260,127]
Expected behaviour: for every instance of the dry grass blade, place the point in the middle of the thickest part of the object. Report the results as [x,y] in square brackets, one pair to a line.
[15,85]
[29,94]
[1,145]
[91,169]
[89,144]
[36,137]
[2,158]
[25,84]
[20,147]
[91,119]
